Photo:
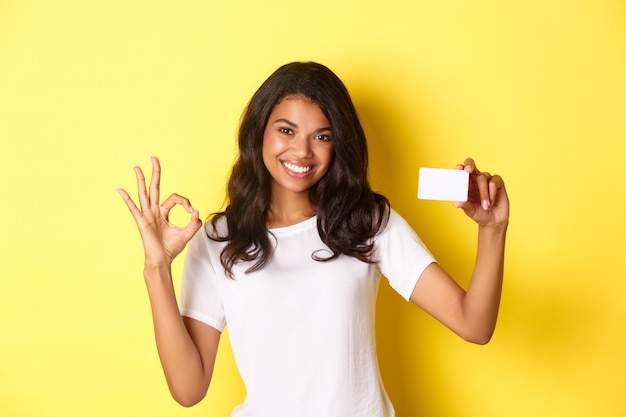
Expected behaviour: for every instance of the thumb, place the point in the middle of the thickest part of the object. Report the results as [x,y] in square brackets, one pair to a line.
[194,225]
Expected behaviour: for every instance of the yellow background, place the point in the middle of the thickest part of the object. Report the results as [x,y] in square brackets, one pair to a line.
[533,90]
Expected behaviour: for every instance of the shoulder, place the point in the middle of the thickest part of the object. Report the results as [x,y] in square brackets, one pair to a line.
[392,221]
[213,232]
[396,232]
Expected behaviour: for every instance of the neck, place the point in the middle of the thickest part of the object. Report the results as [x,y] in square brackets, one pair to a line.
[288,211]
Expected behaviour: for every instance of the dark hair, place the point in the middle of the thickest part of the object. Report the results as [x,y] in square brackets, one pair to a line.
[349,213]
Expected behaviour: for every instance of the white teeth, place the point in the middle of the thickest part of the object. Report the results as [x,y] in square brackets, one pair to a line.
[297,169]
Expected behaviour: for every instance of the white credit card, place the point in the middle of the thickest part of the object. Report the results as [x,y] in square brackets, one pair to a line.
[442,184]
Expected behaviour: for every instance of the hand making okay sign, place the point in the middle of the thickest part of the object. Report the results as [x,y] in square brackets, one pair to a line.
[162,240]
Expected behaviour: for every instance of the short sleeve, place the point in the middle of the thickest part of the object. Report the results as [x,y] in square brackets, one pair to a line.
[401,255]
[200,297]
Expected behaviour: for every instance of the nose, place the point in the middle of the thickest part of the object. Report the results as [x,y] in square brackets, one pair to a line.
[301,146]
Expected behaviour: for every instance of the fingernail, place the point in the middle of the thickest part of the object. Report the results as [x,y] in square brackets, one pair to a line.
[486,204]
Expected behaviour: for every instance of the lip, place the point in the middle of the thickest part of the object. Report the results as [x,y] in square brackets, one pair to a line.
[297,169]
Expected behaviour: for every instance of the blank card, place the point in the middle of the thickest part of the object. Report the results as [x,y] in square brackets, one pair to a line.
[442,184]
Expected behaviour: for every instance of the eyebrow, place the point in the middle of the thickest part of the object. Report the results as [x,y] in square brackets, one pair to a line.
[295,126]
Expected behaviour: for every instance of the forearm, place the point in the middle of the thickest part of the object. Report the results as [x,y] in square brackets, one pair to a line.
[186,377]
[482,299]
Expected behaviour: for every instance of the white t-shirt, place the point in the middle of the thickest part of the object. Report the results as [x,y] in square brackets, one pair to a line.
[302,331]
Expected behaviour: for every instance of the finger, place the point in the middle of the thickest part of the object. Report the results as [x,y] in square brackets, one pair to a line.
[130,203]
[466,206]
[193,226]
[175,199]
[144,201]
[155,181]
[495,184]
[470,166]
[482,181]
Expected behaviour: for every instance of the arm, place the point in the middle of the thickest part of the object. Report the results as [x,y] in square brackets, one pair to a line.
[472,314]
[187,348]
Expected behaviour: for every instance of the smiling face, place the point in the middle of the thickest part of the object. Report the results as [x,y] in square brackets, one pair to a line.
[297,146]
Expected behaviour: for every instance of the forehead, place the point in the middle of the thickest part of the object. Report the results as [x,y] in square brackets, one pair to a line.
[298,109]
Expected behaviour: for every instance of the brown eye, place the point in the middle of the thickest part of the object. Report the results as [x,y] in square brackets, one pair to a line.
[324,138]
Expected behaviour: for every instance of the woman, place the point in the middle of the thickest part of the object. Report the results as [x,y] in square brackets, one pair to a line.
[293,263]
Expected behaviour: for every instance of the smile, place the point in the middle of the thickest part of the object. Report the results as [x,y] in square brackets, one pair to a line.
[296,168]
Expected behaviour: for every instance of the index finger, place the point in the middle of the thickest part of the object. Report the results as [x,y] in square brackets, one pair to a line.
[469,165]
[155,181]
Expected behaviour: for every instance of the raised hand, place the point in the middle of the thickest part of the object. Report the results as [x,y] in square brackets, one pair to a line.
[162,240]
[487,203]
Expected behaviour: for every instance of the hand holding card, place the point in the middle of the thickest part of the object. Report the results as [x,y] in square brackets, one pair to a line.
[443,184]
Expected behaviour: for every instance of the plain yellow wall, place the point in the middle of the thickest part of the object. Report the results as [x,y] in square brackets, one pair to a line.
[534,90]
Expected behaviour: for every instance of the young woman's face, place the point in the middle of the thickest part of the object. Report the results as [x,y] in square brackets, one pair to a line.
[297,145]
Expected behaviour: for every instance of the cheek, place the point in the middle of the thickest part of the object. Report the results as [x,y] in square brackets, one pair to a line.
[265,153]
[328,154]
[271,145]
[268,147]
[325,158]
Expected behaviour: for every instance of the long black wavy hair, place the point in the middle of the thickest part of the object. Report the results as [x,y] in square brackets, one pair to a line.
[349,213]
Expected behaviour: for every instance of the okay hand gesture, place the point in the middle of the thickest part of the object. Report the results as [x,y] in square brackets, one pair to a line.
[162,240]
